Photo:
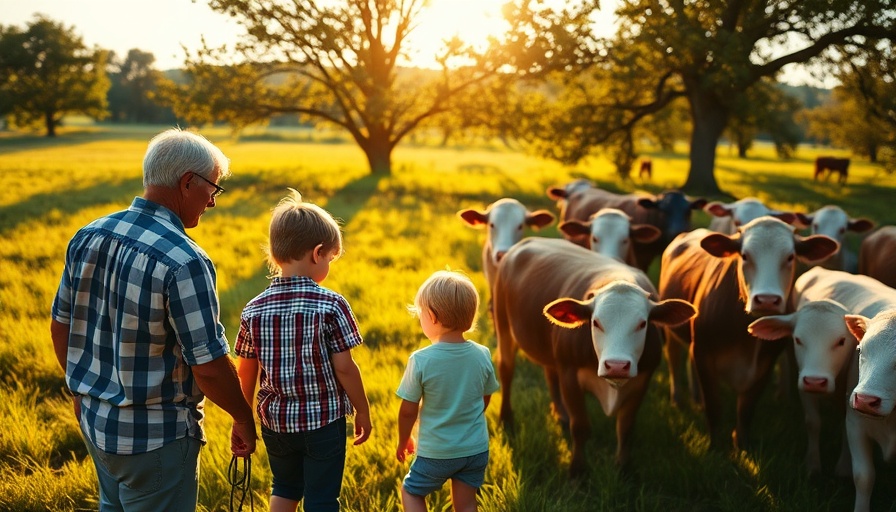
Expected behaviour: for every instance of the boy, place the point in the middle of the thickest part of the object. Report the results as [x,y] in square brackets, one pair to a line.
[300,335]
[455,379]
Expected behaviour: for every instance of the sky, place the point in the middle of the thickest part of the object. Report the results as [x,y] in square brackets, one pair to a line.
[163,27]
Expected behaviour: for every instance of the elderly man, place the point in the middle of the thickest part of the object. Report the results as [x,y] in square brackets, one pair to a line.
[135,327]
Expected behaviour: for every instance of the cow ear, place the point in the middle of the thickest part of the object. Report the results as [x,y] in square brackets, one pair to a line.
[568,312]
[539,219]
[772,327]
[644,233]
[721,245]
[815,247]
[474,218]
[698,204]
[860,225]
[857,325]
[803,220]
[717,209]
[672,312]
[787,217]
[557,193]
[647,203]
[575,228]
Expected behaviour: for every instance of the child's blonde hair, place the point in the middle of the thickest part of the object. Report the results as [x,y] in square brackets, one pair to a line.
[451,296]
[298,227]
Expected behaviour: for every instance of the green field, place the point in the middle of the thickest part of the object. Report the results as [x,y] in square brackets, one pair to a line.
[398,229]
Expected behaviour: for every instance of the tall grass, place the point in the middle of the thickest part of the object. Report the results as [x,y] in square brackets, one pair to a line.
[398,229]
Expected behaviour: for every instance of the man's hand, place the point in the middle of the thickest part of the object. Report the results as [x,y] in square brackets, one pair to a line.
[242,438]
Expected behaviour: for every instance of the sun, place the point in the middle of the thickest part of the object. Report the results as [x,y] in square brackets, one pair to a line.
[473,21]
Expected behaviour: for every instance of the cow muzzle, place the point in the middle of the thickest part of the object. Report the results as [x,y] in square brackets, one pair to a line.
[867,404]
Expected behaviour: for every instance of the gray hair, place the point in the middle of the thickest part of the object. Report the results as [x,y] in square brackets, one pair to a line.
[175,152]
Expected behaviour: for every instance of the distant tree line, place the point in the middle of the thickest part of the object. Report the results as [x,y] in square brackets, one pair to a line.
[701,70]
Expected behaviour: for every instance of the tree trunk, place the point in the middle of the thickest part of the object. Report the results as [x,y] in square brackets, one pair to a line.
[379,156]
[50,123]
[709,117]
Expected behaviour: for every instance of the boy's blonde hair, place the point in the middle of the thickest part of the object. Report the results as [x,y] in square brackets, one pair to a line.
[452,297]
[298,227]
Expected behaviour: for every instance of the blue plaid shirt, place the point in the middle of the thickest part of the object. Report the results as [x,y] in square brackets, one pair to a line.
[139,298]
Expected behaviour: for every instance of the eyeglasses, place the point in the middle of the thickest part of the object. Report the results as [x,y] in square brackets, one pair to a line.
[218,189]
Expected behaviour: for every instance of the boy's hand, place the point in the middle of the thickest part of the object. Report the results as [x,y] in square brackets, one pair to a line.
[362,428]
[403,451]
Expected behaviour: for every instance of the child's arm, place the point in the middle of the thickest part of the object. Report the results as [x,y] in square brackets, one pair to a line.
[247,369]
[407,417]
[349,376]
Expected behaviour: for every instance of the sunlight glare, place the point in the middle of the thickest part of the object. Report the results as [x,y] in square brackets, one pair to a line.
[473,21]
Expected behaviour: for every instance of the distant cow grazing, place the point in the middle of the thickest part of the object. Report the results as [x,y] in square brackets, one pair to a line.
[588,320]
[732,279]
[504,221]
[833,221]
[669,211]
[831,165]
[876,255]
[611,233]
[645,170]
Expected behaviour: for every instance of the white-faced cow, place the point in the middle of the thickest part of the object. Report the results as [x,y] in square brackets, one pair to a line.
[611,233]
[669,211]
[824,349]
[731,279]
[834,222]
[876,255]
[588,320]
[504,221]
[728,217]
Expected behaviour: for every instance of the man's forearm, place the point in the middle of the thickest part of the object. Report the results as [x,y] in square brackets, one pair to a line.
[219,382]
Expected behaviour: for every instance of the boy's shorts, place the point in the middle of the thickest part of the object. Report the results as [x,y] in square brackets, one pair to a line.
[427,475]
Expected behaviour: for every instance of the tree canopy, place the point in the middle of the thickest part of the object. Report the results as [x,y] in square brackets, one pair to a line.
[329,62]
[48,73]
[710,52]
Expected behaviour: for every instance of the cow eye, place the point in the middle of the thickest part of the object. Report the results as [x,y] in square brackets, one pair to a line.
[790,258]
[642,325]
[744,257]
[519,228]
[798,341]
[491,225]
[841,342]
[597,325]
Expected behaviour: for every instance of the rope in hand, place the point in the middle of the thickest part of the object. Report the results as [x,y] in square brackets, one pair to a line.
[240,481]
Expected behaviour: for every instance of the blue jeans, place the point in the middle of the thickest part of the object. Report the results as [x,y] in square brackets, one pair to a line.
[163,479]
[308,465]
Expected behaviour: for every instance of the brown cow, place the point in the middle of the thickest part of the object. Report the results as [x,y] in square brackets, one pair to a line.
[731,279]
[831,165]
[876,255]
[646,169]
[669,211]
[588,320]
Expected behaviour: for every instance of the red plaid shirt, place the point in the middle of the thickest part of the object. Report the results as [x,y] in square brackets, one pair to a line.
[292,328]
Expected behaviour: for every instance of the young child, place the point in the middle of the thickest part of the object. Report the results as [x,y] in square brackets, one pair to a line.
[455,379]
[297,336]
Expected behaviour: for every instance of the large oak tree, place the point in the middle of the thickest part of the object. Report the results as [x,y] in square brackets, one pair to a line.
[336,62]
[710,52]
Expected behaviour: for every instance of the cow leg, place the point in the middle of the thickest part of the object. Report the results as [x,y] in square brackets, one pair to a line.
[625,420]
[708,379]
[672,350]
[813,432]
[862,469]
[507,349]
[579,427]
[558,410]
[746,408]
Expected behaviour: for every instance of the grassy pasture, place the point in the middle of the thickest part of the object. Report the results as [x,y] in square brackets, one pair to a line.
[398,230]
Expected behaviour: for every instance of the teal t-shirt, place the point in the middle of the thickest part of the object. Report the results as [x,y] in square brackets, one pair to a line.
[450,379]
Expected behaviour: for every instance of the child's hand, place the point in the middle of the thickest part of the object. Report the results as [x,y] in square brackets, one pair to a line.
[403,451]
[362,428]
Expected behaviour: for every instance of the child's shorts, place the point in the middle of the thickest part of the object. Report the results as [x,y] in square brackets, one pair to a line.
[427,475]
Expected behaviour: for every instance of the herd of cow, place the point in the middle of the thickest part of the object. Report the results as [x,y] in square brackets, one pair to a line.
[724,295]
